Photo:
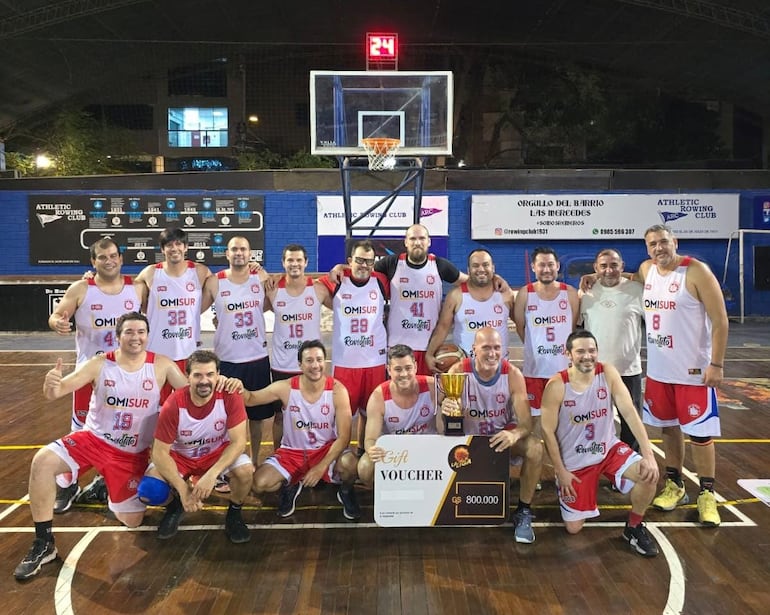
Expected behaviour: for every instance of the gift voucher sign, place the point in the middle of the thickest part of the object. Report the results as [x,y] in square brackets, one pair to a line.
[440,480]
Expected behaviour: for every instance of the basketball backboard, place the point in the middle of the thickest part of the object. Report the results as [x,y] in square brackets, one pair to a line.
[348,106]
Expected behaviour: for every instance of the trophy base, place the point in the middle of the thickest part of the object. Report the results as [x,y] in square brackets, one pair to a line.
[453,426]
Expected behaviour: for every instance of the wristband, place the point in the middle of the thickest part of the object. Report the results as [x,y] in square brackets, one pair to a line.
[717,365]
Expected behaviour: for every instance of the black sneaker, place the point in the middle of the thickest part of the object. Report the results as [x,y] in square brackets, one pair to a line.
[346,496]
[95,492]
[65,496]
[42,552]
[235,529]
[287,498]
[640,540]
[169,524]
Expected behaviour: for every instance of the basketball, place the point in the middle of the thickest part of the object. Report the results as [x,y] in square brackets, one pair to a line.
[447,355]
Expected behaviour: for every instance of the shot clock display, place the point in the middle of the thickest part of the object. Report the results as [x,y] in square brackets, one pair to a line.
[381,48]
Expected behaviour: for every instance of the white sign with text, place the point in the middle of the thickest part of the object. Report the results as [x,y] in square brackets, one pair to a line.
[601,216]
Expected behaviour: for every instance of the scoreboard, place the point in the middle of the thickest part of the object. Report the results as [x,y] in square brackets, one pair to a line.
[63,226]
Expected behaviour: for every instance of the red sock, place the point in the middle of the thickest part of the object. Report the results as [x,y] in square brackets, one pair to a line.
[634,519]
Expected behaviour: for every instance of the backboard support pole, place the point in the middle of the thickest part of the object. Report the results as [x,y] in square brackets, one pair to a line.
[414,178]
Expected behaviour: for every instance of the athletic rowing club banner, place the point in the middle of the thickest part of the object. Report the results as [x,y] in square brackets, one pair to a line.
[389,238]
[599,216]
[440,480]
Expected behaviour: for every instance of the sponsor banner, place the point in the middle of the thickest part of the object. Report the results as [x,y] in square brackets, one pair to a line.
[440,480]
[434,214]
[601,216]
[62,227]
[389,238]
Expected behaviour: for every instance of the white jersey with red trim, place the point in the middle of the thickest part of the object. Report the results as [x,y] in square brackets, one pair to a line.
[415,303]
[240,336]
[586,424]
[309,425]
[174,312]
[359,338]
[97,315]
[678,328]
[200,437]
[125,405]
[487,403]
[547,327]
[473,314]
[419,419]
[296,319]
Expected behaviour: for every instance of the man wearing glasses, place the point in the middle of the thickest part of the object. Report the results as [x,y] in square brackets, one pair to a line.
[359,341]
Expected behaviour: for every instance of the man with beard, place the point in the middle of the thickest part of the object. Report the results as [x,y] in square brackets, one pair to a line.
[470,306]
[416,292]
[359,340]
[117,435]
[296,302]
[240,340]
[612,310]
[172,297]
[579,432]
[200,433]
[495,404]
[686,342]
[545,313]
[316,433]
[96,303]
[405,404]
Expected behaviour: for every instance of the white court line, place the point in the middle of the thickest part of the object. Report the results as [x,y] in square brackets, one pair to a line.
[676,585]
[63,593]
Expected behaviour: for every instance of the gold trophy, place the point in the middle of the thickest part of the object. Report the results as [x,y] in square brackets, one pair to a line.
[453,385]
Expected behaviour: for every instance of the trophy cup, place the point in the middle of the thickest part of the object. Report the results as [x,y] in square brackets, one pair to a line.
[453,385]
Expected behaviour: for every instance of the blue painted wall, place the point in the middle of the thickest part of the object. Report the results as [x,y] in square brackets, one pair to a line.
[290,217]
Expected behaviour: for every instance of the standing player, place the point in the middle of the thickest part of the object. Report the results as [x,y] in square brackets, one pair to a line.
[359,344]
[545,313]
[471,306]
[612,310]
[495,404]
[240,340]
[579,433]
[117,435]
[405,404]
[686,341]
[96,304]
[172,295]
[200,432]
[296,302]
[316,434]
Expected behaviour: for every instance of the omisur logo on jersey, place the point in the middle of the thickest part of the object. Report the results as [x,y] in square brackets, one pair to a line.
[587,417]
[240,306]
[660,305]
[488,413]
[300,317]
[170,303]
[549,321]
[412,294]
[98,322]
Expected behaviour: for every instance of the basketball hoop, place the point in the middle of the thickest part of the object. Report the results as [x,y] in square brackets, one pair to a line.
[381,152]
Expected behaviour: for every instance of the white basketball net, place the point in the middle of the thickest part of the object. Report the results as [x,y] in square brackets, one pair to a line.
[381,152]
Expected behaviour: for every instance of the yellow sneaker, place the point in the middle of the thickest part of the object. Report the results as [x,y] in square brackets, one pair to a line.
[672,496]
[707,509]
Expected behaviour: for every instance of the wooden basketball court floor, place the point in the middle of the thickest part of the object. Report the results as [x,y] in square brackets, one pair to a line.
[316,562]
